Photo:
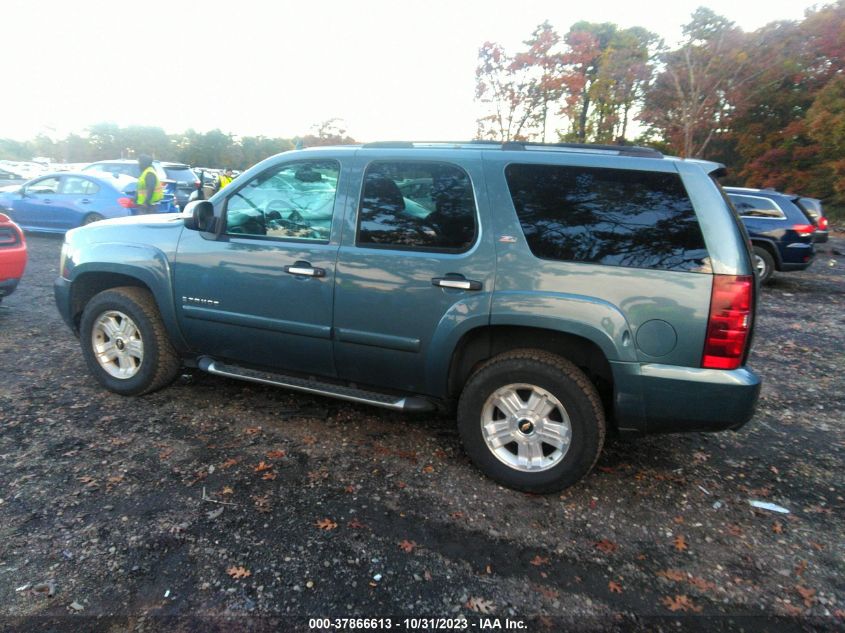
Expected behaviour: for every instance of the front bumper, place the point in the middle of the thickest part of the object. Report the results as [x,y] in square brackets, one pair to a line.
[654,398]
[61,292]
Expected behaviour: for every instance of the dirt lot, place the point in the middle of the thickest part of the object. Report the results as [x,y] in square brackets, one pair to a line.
[221,505]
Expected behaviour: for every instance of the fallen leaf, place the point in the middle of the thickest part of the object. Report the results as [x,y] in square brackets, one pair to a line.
[164,454]
[269,476]
[606,546]
[326,524]
[614,587]
[228,463]
[680,603]
[550,593]
[777,527]
[401,484]
[407,546]
[673,574]
[350,489]
[734,530]
[701,583]
[800,568]
[253,430]
[226,490]
[309,439]
[276,454]
[429,469]
[480,605]
[317,475]
[238,572]
[355,524]
[538,560]
[807,594]
[457,515]
[262,466]
[680,543]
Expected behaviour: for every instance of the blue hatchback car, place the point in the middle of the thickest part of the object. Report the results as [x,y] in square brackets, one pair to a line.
[58,202]
[781,233]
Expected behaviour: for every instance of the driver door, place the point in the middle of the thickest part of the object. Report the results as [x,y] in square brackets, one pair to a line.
[262,292]
[34,206]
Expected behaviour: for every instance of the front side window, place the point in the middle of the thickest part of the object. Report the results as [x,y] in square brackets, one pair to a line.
[756,207]
[414,205]
[293,200]
[614,217]
[43,186]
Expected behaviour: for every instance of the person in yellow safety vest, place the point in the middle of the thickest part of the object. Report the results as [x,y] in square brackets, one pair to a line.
[150,188]
[224,179]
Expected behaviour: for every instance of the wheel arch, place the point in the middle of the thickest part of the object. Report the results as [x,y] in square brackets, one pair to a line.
[770,247]
[480,344]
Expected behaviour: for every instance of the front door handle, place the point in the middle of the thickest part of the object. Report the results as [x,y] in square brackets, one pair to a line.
[85,201]
[458,282]
[305,269]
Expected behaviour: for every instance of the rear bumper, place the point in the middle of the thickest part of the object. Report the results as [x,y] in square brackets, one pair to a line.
[653,398]
[7,287]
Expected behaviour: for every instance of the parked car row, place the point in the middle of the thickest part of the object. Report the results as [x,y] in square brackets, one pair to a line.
[782,227]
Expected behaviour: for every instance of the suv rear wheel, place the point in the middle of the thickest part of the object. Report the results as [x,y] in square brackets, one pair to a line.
[125,344]
[531,420]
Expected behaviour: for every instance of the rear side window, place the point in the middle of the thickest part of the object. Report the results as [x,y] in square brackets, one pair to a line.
[410,205]
[614,217]
[756,207]
[74,185]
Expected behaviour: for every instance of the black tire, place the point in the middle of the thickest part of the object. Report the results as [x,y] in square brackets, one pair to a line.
[764,264]
[91,218]
[567,384]
[159,363]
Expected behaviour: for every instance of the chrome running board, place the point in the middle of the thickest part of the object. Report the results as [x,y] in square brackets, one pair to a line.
[351,394]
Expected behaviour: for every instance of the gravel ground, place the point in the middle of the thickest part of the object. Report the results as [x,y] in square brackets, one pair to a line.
[222,505]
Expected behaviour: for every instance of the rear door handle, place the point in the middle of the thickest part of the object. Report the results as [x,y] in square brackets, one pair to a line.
[85,201]
[305,269]
[458,282]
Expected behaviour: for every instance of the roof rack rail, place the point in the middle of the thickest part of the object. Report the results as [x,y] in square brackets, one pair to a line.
[622,150]
[626,150]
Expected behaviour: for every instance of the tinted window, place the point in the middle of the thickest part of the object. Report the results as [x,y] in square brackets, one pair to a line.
[756,207]
[607,216]
[294,200]
[416,205]
[75,185]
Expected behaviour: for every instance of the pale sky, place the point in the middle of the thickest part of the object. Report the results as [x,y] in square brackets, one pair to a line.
[390,69]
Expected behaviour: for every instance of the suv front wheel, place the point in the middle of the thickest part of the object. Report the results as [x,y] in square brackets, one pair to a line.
[531,420]
[124,342]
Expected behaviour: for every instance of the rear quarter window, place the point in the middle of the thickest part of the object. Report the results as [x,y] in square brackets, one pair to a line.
[613,217]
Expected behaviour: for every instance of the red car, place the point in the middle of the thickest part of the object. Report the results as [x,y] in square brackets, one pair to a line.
[12,255]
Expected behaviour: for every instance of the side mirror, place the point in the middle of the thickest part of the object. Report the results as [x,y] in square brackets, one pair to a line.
[200,216]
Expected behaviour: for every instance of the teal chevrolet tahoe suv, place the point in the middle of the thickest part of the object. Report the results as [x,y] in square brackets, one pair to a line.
[547,294]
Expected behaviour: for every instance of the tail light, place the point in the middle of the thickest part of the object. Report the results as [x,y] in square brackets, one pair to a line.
[822,224]
[730,321]
[804,229]
[126,203]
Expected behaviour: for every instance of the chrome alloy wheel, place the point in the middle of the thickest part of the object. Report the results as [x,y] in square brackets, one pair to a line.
[760,265]
[116,341]
[526,427]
